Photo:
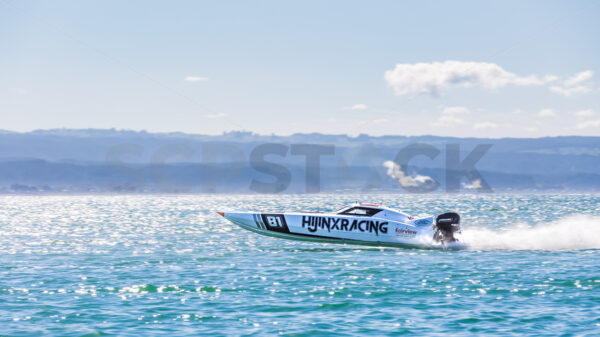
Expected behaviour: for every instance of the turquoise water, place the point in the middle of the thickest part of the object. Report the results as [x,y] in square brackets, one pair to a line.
[168,265]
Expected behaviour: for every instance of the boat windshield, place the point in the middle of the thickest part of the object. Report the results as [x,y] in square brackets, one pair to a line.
[360,211]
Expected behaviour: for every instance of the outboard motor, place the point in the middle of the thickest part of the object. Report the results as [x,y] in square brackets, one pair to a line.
[445,226]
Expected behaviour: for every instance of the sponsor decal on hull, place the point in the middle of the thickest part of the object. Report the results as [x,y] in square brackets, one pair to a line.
[315,223]
[422,222]
[405,232]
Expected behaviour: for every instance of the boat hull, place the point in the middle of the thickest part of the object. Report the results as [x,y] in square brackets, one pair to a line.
[334,228]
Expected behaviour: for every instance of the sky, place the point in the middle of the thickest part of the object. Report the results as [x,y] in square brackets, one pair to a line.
[460,68]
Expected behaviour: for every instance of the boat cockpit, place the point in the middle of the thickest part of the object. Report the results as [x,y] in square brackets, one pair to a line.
[374,210]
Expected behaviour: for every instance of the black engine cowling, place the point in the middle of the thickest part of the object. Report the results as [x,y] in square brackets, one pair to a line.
[445,226]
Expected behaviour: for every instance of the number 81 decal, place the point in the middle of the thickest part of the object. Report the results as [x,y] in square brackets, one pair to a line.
[275,222]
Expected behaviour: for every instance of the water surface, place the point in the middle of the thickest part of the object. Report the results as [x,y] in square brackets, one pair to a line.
[168,265]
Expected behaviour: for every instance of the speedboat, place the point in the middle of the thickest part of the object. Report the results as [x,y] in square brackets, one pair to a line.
[361,224]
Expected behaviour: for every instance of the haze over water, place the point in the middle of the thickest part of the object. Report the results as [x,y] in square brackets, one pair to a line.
[169,265]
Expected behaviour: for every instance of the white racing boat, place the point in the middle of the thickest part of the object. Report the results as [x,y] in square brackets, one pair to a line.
[361,224]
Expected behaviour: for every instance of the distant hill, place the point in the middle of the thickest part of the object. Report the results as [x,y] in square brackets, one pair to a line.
[93,160]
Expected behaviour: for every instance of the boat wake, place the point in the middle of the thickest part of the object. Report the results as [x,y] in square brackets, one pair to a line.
[570,233]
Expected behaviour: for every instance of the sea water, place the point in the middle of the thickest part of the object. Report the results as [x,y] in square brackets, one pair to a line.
[169,265]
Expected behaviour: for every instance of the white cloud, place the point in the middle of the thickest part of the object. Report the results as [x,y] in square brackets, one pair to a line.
[395,171]
[217,115]
[589,124]
[573,85]
[546,113]
[380,121]
[357,107]
[485,125]
[584,113]
[430,78]
[550,78]
[531,128]
[455,110]
[570,91]
[446,120]
[196,79]
[450,116]
[579,77]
